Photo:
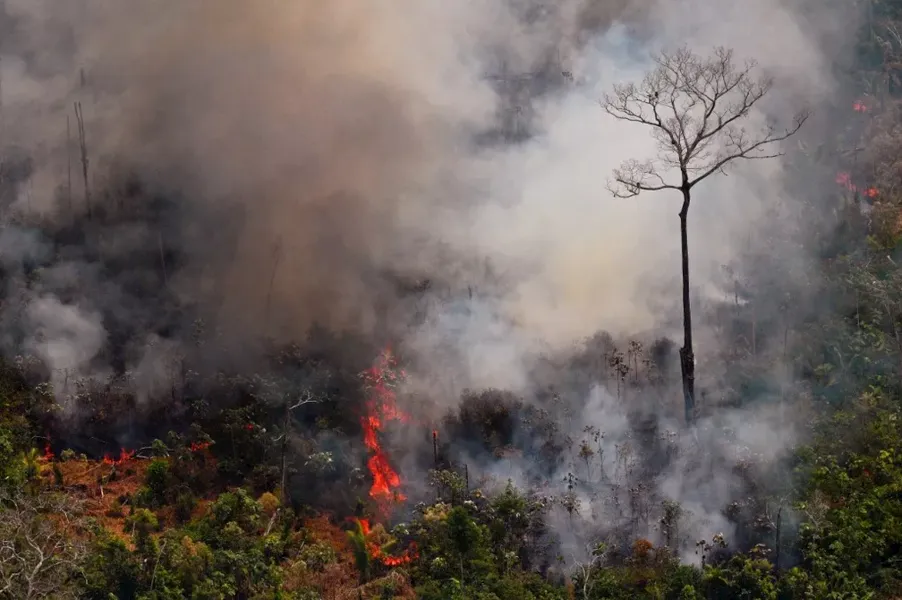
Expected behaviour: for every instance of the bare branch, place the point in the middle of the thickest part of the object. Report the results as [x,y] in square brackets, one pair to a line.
[694,107]
[39,549]
[738,146]
[634,177]
[307,397]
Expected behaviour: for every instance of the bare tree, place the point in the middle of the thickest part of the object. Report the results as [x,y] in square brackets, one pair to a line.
[83,146]
[695,107]
[40,550]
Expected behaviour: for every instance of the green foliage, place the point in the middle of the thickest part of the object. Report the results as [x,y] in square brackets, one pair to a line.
[741,577]
[12,472]
[362,556]
[224,554]
[317,556]
[157,481]
[110,570]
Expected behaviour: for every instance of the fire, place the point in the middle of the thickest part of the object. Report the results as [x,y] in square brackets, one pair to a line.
[378,553]
[198,446]
[844,179]
[859,106]
[48,453]
[124,457]
[381,406]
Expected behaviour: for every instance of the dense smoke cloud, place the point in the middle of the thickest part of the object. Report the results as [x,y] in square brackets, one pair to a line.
[345,137]
[318,155]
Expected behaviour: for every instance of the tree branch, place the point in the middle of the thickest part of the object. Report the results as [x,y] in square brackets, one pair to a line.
[743,150]
[694,106]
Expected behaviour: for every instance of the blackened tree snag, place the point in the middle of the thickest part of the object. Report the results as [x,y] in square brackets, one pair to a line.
[695,107]
[83,145]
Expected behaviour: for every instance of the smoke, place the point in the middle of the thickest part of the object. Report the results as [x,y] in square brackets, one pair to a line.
[66,338]
[312,155]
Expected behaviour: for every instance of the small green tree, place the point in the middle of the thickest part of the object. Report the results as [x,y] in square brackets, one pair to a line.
[464,534]
[157,480]
[362,556]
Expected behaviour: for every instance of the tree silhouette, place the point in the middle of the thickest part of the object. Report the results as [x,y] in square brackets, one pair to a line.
[695,107]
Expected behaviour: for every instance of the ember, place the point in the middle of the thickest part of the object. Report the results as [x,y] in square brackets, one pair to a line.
[198,446]
[381,406]
[859,106]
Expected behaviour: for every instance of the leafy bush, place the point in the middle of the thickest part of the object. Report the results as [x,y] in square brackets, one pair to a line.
[317,556]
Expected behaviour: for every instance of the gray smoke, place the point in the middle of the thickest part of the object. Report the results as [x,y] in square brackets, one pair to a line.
[314,153]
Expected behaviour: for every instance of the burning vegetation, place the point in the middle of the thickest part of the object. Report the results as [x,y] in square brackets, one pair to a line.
[380,382]
[256,460]
[844,179]
[125,456]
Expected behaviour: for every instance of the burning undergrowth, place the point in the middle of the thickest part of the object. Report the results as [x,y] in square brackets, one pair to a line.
[334,420]
[340,421]
[381,406]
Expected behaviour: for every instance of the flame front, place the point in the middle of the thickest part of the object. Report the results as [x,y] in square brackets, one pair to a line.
[381,406]
[124,457]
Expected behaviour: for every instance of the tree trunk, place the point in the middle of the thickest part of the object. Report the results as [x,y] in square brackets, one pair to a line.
[778,540]
[284,465]
[687,356]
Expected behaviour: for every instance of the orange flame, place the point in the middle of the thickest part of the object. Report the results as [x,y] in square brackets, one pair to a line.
[859,106]
[198,446]
[124,457]
[381,406]
[48,453]
[377,553]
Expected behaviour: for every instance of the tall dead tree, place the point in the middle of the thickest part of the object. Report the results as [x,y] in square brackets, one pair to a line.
[83,146]
[69,166]
[276,259]
[696,108]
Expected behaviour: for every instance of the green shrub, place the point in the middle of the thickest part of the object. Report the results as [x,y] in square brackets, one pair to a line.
[157,480]
[317,556]
[184,506]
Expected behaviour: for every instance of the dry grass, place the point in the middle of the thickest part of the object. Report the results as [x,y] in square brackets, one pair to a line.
[102,487]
